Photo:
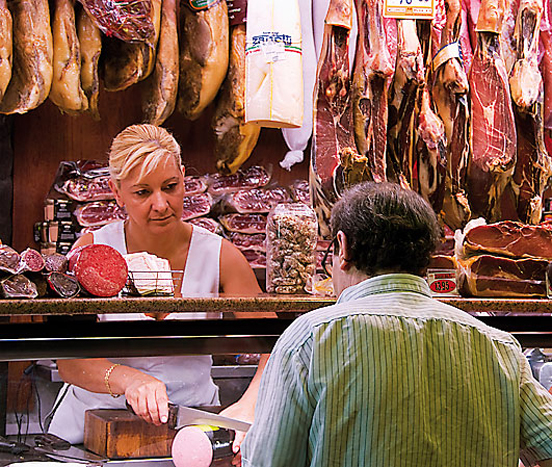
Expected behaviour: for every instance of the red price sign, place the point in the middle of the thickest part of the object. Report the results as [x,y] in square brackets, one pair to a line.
[442,282]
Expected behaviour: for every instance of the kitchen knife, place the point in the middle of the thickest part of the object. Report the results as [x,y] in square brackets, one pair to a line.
[71,454]
[180,416]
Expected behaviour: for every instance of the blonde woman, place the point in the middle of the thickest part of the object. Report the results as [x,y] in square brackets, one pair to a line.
[147,178]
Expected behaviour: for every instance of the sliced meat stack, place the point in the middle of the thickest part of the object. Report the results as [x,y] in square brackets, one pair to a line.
[505,259]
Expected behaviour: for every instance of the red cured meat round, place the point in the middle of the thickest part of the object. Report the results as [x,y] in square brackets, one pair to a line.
[100,269]
[192,448]
[33,261]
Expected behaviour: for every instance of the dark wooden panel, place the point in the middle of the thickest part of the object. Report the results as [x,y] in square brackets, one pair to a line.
[6,178]
[44,137]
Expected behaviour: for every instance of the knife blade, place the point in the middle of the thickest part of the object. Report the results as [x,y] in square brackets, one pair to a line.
[180,416]
[72,454]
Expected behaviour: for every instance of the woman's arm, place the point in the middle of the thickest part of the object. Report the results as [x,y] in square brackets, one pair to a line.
[236,275]
[146,394]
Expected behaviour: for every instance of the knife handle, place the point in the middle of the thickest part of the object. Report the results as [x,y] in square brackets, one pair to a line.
[173,412]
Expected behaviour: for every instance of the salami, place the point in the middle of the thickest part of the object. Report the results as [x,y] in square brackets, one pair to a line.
[32,260]
[63,285]
[55,262]
[100,269]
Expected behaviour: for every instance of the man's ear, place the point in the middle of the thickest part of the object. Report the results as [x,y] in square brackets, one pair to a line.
[344,254]
[116,192]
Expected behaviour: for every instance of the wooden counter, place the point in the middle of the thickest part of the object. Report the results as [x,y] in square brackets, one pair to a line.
[236,325]
[266,303]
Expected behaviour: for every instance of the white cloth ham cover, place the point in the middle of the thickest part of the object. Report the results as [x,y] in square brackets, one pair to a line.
[298,138]
[273,64]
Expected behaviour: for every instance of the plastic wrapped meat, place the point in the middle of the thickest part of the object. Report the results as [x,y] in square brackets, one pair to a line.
[63,285]
[84,189]
[494,276]
[300,191]
[254,242]
[10,260]
[99,213]
[128,20]
[258,199]
[18,286]
[194,185]
[253,177]
[197,206]
[244,223]
[208,224]
[256,259]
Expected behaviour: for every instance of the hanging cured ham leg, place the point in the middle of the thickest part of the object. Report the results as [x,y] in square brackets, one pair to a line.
[546,63]
[6,47]
[373,70]
[127,63]
[534,164]
[333,138]
[409,76]
[160,90]
[90,41]
[235,140]
[204,42]
[32,57]
[450,95]
[494,136]
[66,90]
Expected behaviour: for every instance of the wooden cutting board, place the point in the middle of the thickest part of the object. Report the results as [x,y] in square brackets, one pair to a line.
[118,434]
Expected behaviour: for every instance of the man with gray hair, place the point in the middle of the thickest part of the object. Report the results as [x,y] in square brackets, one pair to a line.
[388,375]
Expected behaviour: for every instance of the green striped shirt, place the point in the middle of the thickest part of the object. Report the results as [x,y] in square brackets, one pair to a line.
[390,377]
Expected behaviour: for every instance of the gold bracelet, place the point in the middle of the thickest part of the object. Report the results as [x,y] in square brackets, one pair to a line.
[106,380]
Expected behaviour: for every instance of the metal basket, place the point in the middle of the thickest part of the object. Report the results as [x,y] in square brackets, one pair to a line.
[152,283]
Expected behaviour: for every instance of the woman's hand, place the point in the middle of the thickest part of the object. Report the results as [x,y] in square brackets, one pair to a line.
[241,410]
[148,398]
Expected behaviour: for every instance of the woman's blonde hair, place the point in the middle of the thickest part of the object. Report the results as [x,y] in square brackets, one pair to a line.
[142,145]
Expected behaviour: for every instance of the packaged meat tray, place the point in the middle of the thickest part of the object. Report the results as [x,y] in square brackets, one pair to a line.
[244,223]
[196,206]
[257,199]
[253,177]
[98,213]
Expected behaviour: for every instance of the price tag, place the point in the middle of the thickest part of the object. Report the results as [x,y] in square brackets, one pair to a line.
[409,9]
[442,281]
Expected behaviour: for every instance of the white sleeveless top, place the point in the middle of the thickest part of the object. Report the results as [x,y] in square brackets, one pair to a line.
[188,378]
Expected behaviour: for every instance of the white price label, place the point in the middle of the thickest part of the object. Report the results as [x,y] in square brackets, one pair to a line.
[442,281]
[409,9]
